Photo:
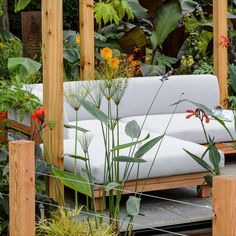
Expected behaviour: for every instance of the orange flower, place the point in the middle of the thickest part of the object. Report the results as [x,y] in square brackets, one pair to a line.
[137,49]
[78,39]
[225,42]
[114,63]
[106,53]
[134,63]
[131,57]
[39,115]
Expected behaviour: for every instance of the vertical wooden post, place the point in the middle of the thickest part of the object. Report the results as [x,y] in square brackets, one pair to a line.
[86,39]
[52,46]
[22,188]
[224,205]
[220,28]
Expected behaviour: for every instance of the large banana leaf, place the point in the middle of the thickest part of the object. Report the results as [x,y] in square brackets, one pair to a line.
[151,6]
[134,38]
[167,17]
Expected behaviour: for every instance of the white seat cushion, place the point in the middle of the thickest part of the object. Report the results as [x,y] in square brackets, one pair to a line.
[94,126]
[171,159]
[186,129]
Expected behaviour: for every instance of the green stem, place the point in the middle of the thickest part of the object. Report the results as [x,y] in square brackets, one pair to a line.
[75,161]
[204,130]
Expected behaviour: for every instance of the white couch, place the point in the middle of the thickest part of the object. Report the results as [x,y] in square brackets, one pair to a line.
[182,133]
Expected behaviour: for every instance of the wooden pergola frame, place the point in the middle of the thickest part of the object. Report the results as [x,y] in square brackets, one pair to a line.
[52,47]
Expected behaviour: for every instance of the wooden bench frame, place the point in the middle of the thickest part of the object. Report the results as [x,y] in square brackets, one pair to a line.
[152,184]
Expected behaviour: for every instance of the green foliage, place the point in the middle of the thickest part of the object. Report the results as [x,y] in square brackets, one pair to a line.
[163,60]
[23,69]
[204,68]
[112,11]
[133,206]
[75,182]
[1,3]
[128,159]
[132,129]
[166,20]
[4,208]
[72,223]
[9,47]
[21,4]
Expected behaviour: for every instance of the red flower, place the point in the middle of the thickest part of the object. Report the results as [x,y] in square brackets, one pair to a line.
[198,113]
[39,115]
[225,42]
[2,114]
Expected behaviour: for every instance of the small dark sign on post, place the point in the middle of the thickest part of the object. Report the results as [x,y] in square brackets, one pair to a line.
[31,34]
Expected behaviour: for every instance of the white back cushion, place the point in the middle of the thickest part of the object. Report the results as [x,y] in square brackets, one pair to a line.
[141,91]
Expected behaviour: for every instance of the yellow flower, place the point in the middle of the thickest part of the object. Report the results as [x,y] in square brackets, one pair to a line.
[114,63]
[187,61]
[78,39]
[106,53]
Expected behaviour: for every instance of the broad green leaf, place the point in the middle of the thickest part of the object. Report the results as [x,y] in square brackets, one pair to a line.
[188,6]
[127,145]
[128,159]
[137,9]
[223,124]
[134,38]
[200,161]
[72,55]
[133,206]
[147,146]
[111,186]
[132,129]
[76,127]
[94,111]
[232,75]
[214,156]
[198,105]
[75,182]
[208,179]
[21,4]
[23,66]
[152,70]
[167,17]
[151,6]
[76,157]
[5,35]
[3,155]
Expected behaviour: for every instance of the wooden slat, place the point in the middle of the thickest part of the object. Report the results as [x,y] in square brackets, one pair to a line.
[220,29]
[22,188]
[86,39]
[161,183]
[224,205]
[226,148]
[52,47]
